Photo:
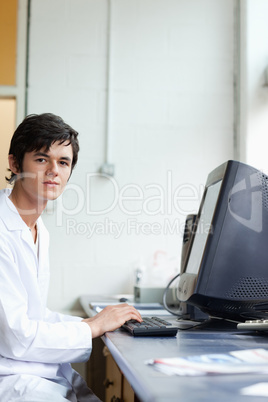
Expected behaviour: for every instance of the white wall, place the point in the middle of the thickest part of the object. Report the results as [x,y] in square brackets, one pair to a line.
[171,122]
[254,91]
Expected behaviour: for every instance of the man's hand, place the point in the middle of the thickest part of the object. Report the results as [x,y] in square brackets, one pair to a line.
[111,318]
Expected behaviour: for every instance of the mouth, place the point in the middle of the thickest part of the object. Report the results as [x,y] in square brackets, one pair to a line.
[50,183]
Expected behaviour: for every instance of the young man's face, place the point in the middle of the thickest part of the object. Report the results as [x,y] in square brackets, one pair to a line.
[46,173]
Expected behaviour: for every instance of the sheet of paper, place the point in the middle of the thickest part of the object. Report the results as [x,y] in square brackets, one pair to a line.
[149,309]
[260,389]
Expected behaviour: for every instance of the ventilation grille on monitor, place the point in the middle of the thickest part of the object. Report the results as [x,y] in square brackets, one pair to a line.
[225,308]
[264,183]
[249,288]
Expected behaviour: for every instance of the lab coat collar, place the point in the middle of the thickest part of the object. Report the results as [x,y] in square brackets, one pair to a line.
[13,222]
[9,214]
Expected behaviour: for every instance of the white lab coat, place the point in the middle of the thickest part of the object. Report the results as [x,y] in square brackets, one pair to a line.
[34,341]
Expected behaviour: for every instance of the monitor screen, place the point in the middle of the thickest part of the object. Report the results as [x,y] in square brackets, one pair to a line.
[203,227]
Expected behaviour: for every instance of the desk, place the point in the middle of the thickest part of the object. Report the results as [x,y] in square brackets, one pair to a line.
[151,386]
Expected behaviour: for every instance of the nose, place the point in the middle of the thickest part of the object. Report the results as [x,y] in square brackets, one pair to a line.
[52,169]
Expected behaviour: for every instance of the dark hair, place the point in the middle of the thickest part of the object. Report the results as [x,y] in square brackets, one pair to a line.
[41,131]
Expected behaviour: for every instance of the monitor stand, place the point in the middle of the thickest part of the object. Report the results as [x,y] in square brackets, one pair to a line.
[218,324]
[209,324]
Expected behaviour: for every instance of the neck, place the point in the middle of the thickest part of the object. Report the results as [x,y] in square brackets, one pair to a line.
[29,209]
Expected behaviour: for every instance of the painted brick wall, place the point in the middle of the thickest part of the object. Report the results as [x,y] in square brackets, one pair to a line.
[171,123]
[254,88]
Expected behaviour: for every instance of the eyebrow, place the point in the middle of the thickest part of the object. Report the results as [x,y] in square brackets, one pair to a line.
[66,158]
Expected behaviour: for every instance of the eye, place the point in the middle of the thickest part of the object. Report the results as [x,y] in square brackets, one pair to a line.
[40,160]
[64,163]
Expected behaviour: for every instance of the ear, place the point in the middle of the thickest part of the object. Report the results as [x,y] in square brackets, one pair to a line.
[13,165]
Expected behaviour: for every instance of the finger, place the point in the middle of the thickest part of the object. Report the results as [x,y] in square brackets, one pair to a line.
[127,307]
[134,312]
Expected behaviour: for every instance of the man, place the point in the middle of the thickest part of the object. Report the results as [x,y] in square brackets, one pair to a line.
[36,344]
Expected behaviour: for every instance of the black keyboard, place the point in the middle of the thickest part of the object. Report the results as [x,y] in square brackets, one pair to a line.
[150,326]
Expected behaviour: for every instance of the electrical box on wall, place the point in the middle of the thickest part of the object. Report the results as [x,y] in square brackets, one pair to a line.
[266,77]
[145,294]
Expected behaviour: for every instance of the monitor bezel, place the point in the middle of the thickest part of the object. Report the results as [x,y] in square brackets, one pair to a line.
[190,282]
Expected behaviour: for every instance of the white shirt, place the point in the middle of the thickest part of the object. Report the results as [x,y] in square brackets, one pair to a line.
[33,340]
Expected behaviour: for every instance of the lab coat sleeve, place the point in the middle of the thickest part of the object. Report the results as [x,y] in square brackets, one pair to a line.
[34,339]
[54,316]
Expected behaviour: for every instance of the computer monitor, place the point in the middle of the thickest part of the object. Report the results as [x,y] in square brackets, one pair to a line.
[225,269]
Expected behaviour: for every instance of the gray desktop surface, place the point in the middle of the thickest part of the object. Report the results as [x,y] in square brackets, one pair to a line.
[130,354]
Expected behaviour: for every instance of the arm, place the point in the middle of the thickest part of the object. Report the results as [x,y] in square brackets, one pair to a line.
[30,332]
[54,316]
[25,335]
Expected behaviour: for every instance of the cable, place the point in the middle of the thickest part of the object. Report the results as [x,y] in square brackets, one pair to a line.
[165,297]
[197,324]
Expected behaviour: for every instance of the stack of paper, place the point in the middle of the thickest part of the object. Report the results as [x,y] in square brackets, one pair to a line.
[235,362]
[143,308]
